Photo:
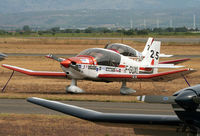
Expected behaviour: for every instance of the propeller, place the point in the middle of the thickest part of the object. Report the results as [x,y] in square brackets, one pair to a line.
[64,62]
[157,99]
[188,99]
[68,63]
[51,56]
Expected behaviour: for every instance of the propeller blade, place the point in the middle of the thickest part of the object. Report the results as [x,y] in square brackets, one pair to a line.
[157,99]
[55,58]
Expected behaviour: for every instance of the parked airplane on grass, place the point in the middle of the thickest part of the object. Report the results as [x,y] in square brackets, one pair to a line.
[184,102]
[2,56]
[105,65]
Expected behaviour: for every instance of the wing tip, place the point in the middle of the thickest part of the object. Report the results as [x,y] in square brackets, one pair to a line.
[7,66]
[192,70]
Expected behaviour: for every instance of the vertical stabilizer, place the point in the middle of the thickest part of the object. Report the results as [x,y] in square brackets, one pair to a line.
[147,46]
[152,57]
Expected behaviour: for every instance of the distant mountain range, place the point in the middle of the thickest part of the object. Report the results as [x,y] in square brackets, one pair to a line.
[108,13]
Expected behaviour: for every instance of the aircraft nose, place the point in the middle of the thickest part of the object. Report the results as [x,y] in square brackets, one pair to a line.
[66,63]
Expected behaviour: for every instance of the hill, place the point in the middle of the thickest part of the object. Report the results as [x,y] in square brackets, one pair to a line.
[109,13]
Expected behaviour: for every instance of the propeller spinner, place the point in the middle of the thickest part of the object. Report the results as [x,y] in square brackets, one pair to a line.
[188,98]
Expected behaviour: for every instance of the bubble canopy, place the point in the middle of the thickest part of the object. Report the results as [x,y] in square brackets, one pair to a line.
[103,56]
[122,49]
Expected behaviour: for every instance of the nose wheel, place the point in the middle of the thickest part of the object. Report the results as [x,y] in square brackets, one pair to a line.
[125,90]
[73,88]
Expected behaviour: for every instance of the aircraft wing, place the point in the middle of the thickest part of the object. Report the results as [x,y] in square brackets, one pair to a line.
[159,77]
[178,61]
[36,73]
[111,119]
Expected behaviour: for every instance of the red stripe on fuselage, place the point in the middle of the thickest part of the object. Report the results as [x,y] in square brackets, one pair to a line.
[122,66]
[114,76]
[145,69]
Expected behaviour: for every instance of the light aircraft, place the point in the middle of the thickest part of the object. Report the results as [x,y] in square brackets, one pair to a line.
[105,65]
[185,104]
[2,56]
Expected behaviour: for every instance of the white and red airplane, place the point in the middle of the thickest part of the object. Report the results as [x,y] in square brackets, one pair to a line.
[105,65]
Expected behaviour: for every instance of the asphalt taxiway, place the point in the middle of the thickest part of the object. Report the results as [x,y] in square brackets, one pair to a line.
[21,106]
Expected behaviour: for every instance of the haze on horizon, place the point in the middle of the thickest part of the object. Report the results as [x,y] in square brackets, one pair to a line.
[84,13]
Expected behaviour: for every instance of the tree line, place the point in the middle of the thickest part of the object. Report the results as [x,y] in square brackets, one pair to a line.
[26,30]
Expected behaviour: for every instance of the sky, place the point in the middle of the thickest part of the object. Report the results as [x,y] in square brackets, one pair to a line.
[14,6]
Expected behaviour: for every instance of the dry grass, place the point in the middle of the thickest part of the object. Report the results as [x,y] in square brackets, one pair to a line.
[74,46]
[25,86]
[69,97]
[52,125]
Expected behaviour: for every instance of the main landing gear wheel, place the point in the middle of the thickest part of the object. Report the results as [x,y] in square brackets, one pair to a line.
[73,88]
[125,90]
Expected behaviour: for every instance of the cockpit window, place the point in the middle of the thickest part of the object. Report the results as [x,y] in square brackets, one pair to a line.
[122,49]
[103,57]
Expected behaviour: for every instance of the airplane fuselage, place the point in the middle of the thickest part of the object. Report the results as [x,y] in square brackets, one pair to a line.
[126,68]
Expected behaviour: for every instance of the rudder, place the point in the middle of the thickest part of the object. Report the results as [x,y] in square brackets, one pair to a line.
[152,56]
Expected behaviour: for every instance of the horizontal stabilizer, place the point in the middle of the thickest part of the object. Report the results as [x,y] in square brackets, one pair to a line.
[164,66]
[35,73]
[165,55]
[175,62]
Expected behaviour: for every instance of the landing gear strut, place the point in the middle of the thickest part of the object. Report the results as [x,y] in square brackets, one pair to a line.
[73,88]
[125,90]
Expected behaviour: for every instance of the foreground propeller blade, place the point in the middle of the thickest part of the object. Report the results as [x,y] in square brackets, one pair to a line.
[157,99]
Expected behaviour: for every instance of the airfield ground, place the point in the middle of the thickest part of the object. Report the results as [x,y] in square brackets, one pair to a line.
[54,125]
[22,86]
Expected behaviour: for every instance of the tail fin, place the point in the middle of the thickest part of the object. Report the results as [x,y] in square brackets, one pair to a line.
[152,56]
[147,46]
